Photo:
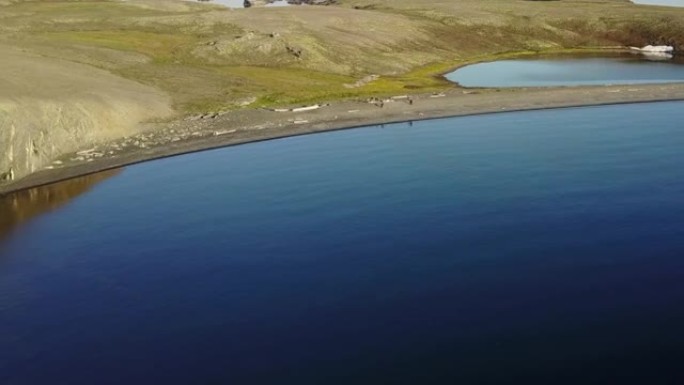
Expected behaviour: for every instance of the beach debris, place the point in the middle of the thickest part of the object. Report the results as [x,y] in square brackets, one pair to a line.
[300,121]
[224,132]
[300,109]
[307,108]
[438,95]
[406,98]
[352,111]
[86,152]
[378,102]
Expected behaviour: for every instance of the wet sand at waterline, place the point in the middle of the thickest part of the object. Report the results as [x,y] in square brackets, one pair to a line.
[238,127]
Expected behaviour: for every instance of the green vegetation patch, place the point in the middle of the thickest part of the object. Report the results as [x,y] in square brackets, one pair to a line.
[207,58]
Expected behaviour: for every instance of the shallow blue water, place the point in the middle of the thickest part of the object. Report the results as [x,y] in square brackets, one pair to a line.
[535,247]
[545,72]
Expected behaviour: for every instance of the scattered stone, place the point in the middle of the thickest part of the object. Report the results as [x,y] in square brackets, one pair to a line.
[296,52]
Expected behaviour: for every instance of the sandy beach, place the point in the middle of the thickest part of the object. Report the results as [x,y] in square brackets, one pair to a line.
[217,130]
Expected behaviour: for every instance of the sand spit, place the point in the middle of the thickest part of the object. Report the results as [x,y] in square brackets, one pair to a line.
[220,130]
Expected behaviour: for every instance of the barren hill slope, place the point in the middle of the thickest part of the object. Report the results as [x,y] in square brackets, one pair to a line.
[49,107]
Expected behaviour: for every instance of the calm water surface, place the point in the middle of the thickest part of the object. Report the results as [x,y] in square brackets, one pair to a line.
[545,72]
[520,248]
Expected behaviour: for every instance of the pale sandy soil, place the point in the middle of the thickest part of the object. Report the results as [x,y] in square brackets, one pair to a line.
[51,106]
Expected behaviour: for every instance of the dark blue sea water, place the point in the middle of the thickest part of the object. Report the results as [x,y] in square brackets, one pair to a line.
[571,71]
[540,247]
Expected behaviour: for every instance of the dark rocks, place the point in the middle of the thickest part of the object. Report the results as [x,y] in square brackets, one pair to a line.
[7,176]
[294,51]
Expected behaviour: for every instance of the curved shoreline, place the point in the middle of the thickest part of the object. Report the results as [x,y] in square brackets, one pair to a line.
[249,126]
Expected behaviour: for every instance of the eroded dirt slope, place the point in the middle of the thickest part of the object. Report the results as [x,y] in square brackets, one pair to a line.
[49,107]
